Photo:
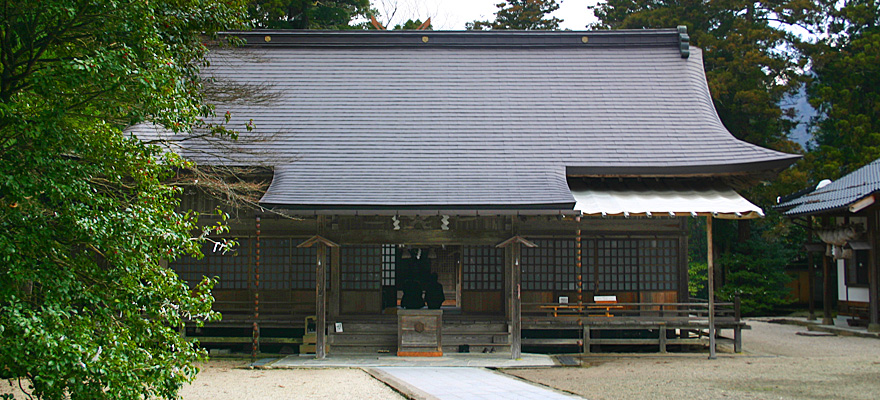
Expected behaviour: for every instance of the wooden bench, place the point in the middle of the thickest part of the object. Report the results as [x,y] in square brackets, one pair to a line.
[606,303]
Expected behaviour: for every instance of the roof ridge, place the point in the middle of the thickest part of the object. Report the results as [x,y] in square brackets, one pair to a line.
[674,37]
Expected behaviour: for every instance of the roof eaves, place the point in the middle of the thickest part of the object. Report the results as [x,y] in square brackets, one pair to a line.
[779,163]
[806,210]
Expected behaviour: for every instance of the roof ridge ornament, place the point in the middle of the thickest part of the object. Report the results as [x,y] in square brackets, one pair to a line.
[684,41]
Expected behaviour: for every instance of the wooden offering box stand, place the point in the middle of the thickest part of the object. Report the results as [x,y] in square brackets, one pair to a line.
[419,332]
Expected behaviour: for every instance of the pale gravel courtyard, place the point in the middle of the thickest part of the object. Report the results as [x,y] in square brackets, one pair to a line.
[777,364]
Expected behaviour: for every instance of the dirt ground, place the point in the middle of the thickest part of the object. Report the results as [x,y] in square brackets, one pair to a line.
[777,364]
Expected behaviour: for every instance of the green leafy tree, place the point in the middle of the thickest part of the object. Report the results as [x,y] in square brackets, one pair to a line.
[845,88]
[524,15]
[747,66]
[307,14]
[410,25]
[756,274]
[751,66]
[752,267]
[87,309]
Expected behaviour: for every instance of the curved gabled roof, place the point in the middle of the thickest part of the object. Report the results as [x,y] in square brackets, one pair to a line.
[837,195]
[472,119]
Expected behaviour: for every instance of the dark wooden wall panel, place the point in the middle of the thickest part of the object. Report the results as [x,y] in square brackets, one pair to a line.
[482,302]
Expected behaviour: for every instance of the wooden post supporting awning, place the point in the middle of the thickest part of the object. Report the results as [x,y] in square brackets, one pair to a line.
[320,291]
[711,272]
[647,199]
[513,256]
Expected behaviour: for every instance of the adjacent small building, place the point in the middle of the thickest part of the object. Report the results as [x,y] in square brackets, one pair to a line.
[535,173]
[844,216]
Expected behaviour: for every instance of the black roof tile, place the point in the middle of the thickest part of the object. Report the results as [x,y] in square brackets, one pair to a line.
[489,119]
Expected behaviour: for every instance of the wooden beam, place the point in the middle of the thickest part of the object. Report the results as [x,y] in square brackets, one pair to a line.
[424,25]
[376,24]
[418,237]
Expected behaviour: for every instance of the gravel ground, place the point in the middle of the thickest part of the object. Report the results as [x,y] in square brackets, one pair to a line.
[230,380]
[224,379]
[777,364]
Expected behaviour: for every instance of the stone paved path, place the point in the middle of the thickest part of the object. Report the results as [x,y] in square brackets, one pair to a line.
[454,383]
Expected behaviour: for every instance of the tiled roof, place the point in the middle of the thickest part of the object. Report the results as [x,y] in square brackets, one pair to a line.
[838,194]
[470,119]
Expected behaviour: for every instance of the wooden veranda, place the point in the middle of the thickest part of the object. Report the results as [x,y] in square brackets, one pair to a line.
[506,277]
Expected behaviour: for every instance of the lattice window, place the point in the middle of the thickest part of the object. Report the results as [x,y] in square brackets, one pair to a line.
[658,261]
[482,268]
[550,266]
[231,268]
[275,271]
[630,264]
[389,267]
[361,267]
[617,264]
[302,265]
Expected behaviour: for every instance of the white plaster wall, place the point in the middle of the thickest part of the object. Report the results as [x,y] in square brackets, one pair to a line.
[858,294]
[855,293]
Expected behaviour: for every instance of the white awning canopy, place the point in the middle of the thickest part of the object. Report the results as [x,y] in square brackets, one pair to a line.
[651,198]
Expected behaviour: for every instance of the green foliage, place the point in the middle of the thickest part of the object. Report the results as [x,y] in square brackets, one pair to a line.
[747,66]
[411,25]
[87,309]
[756,273]
[698,278]
[845,89]
[306,14]
[751,265]
[751,66]
[521,15]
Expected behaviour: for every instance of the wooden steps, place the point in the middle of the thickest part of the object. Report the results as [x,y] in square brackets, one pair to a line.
[363,337]
[369,337]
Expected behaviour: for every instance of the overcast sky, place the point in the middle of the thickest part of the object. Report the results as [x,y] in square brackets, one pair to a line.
[453,14]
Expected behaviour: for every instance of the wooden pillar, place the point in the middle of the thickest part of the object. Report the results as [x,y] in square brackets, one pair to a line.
[587,339]
[320,307]
[873,271]
[811,272]
[513,266]
[662,339]
[826,292]
[711,273]
[335,282]
[255,332]
[826,284]
[737,330]
[320,291]
[515,304]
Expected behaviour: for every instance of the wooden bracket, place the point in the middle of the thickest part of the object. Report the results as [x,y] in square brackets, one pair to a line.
[317,239]
[516,239]
[376,24]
